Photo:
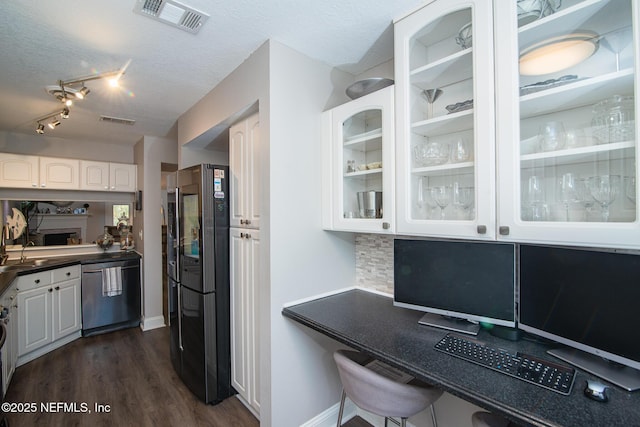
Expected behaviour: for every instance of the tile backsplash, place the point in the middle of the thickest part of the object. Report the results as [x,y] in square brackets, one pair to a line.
[374,262]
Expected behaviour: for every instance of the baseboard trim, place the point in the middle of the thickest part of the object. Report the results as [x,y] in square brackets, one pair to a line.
[150,323]
[329,418]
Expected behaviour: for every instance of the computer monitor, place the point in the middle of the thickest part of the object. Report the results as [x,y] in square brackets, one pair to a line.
[588,300]
[456,280]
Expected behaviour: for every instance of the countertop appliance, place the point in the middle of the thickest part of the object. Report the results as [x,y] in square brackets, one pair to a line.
[198,273]
[104,311]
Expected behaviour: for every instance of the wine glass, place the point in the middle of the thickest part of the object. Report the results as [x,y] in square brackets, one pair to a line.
[442,196]
[430,203]
[616,41]
[604,189]
[630,189]
[432,95]
[463,199]
[584,196]
[567,191]
[460,151]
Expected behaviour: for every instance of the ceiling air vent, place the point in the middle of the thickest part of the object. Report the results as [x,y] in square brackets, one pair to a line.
[172,13]
[117,120]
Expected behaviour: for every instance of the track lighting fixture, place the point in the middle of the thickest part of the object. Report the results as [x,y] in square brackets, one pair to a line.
[66,91]
[54,120]
[65,113]
[40,128]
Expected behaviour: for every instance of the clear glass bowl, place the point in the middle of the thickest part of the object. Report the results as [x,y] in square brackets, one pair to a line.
[613,119]
[431,154]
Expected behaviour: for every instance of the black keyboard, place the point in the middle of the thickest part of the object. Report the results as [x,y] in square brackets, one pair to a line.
[550,375]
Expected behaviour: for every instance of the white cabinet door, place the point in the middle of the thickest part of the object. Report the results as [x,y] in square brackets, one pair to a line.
[18,171]
[57,173]
[34,319]
[244,164]
[445,127]
[94,175]
[122,177]
[245,315]
[547,184]
[66,308]
[358,163]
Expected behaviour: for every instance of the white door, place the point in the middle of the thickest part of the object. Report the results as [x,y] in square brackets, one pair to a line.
[34,319]
[94,175]
[253,314]
[56,173]
[19,171]
[244,162]
[122,177]
[66,308]
[239,355]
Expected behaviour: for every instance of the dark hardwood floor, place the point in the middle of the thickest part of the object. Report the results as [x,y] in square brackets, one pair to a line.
[127,370]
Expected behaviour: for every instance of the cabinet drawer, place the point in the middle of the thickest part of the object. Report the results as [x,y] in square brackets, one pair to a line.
[66,273]
[34,280]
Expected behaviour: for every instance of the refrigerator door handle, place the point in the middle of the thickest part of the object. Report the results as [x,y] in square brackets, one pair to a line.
[178,243]
[179,317]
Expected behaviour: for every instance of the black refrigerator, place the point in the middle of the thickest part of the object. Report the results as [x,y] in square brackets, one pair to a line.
[198,273]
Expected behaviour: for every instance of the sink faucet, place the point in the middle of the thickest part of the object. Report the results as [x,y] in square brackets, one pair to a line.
[3,244]
[22,257]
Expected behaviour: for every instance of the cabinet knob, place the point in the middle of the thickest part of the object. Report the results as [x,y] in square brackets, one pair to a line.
[37,281]
[33,184]
[68,273]
[247,221]
[242,235]
[57,288]
[503,230]
[242,221]
[482,229]
[248,236]
[50,290]
[386,225]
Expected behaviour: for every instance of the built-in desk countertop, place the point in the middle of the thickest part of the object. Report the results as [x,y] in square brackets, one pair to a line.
[370,323]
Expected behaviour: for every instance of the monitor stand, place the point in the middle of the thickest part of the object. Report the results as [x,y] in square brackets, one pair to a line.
[450,323]
[622,376]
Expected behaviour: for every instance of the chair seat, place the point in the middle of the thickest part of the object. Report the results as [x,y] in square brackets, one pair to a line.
[378,394]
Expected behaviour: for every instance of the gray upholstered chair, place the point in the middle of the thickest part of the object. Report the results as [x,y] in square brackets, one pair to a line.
[486,419]
[378,394]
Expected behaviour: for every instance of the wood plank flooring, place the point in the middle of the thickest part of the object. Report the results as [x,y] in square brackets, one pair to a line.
[128,370]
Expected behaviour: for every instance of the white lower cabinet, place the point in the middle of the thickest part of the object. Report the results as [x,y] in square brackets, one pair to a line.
[245,316]
[10,348]
[48,311]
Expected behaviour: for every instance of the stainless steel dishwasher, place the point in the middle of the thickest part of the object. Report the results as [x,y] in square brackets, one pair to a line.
[103,313]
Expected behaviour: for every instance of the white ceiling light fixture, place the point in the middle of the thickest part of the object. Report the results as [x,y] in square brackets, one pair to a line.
[54,123]
[558,53]
[172,13]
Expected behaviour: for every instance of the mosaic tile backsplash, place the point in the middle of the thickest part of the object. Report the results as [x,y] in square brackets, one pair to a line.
[374,262]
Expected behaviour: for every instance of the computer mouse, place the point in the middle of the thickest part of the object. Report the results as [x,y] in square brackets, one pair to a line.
[596,390]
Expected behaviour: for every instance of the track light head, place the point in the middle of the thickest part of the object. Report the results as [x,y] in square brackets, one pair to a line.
[40,128]
[84,91]
[53,123]
[65,113]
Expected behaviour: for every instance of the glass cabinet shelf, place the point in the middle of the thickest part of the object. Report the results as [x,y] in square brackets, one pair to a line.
[362,174]
[572,156]
[444,170]
[443,125]
[580,93]
[358,141]
[448,70]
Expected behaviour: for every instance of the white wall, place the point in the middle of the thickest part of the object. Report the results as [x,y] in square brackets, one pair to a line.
[150,153]
[42,145]
[305,260]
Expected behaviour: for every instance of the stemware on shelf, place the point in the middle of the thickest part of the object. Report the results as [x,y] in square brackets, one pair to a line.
[616,41]
[442,196]
[432,95]
[604,189]
[584,196]
[552,136]
[463,199]
[630,189]
[567,191]
[460,150]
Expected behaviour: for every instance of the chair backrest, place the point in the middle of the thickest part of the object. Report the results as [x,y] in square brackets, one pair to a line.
[378,394]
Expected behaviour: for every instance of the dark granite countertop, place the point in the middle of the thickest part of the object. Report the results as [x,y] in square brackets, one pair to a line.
[370,323]
[7,277]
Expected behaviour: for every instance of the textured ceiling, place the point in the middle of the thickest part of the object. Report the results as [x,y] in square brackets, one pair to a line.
[42,42]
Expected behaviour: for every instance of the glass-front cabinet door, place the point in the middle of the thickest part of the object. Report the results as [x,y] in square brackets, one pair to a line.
[445,120]
[359,164]
[567,121]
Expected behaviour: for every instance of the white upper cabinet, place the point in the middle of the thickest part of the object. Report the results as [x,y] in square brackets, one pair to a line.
[19,171]
[244,164]
[60,174]
[94,175]
[122,177]
[358,165]
[567,129]
[445,120]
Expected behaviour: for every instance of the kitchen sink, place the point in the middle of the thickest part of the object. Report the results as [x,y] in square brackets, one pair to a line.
[11,267]
[28,263]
